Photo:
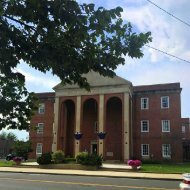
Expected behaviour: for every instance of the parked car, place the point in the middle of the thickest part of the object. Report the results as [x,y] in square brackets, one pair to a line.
[185,185]
[10,157]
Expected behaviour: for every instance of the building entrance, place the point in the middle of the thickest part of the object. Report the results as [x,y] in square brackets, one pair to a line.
[94,147]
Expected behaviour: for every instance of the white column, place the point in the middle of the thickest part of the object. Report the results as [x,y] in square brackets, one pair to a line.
[55,125]
[77,128]
[101,123]
[126,127]
[131,128]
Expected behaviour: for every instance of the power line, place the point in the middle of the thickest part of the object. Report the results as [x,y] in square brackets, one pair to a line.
[176,19]
[168,54]
[169,13]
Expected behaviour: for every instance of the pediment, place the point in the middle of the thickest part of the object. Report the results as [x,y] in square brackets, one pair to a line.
[97,80]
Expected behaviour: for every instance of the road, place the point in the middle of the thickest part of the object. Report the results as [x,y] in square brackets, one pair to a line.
[21,181]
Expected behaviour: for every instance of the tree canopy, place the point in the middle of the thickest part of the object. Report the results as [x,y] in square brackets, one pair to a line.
[8,136]
[64,37]
[22,148]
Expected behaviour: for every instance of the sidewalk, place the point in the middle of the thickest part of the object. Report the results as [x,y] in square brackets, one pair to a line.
[110,171]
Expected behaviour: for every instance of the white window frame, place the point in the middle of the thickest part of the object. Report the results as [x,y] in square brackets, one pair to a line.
[41,108]
[40,128]
[166,150]
[144,106]
[162,102]
[142,129]
[164,127]
[183,128]
[143,147]
[39,147]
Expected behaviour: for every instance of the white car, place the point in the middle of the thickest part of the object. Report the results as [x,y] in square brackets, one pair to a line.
[185,185]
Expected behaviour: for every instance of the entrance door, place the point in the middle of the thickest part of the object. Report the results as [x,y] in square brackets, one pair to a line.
[94,147]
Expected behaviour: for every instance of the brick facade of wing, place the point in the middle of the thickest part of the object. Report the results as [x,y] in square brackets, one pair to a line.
[115,119]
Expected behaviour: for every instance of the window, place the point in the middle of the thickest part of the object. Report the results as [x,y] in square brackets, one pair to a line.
[183,129]
[39,148]
[165,102]
[144,149]
[144,126]
[40,128]
[166,151]
[41,109]
[165,126]
[144,103]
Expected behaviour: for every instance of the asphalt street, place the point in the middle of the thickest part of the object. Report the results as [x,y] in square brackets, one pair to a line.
[20,181]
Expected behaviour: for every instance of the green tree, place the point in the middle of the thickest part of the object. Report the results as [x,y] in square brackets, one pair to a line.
[64,37]
[22,148]
[8,136]
[3,135]
[11,136]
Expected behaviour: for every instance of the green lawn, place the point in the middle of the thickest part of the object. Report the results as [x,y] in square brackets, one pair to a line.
[6,163]
[166,168]
[154,168]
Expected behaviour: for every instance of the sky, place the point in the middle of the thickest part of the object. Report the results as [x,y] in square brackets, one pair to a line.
[168,34]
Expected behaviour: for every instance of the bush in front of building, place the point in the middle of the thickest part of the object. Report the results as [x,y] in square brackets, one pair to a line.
[58,156]
[70,160]
[82,158]
[95,160]
[88,159]
[45,158]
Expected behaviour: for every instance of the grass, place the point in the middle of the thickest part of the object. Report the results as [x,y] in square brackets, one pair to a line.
[166,168]
[152,168]
[6,163]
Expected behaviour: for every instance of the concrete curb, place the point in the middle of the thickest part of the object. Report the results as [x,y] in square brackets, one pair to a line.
[110,174]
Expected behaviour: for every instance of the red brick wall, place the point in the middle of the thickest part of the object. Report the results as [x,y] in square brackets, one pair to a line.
[69,148]
[114,129]
[113,123]
[47,118]
[66,126]
[155,137]
[89,117]
[185,122]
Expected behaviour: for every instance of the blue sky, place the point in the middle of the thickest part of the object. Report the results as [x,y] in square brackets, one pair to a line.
[168,35]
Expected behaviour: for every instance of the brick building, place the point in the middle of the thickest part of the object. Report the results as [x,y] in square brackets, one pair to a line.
[115,119]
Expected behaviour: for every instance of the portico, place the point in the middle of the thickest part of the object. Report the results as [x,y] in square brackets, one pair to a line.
[106,108]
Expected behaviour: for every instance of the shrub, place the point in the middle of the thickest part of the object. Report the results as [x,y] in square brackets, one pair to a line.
[134,163]
[82,158]
[69,160]
[95,160]
[58,156]
[88,159]
[17,160]
[44,159]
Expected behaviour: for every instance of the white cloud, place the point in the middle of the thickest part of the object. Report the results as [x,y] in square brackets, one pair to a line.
[37,81]
[168,34]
